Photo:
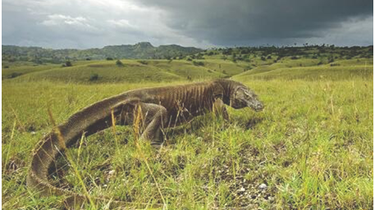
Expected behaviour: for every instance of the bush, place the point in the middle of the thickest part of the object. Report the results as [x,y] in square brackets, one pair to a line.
[143,62]
[247,68]
[67,64]
[330,60]
[14,74]
[94,77]
[119,63]
[198,63]
[109,59]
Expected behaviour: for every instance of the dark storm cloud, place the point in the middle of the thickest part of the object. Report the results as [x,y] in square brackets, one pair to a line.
[225,22]
[200,23]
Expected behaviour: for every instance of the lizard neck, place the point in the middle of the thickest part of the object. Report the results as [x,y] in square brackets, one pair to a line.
[229,87]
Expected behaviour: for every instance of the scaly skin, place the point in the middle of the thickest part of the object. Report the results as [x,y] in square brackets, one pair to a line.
[161,107]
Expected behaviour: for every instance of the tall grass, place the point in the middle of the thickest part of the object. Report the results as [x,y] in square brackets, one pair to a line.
[311,147]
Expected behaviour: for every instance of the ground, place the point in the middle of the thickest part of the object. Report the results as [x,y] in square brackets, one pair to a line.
[311,147]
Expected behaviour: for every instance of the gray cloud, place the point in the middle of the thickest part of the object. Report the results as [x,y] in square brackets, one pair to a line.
[96,23]
[242,21]
[85,24]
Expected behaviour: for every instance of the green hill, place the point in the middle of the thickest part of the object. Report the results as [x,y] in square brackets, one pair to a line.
[132,71]
[242,63]
[310,70]
[142,50]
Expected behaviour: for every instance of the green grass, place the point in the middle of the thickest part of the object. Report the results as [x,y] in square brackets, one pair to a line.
[308,69]
[132,71]
[13,71]
[312,147]
[312,144]
[107,72]
[313,73]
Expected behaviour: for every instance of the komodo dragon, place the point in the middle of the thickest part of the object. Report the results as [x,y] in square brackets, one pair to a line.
[160,107]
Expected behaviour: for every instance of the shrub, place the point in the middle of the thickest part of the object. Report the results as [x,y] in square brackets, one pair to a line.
[119,63]
[94,77]
[109,59]
[143,62]
[330,60]
[247,68]
[14,74]
[198,63]
[67,64]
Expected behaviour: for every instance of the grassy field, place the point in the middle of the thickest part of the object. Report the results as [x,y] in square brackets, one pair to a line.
[311,147]
[131,71]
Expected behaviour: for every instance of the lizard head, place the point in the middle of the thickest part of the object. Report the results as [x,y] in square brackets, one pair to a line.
[244,97]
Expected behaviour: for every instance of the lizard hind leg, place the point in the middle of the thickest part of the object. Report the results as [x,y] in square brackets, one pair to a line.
[155,119]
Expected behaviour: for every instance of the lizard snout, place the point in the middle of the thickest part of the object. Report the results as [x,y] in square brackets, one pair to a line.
[259,107]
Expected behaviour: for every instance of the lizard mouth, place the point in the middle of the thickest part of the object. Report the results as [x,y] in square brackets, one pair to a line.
[257,107]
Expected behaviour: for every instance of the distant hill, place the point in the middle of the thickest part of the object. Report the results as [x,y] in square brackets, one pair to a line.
[142,50]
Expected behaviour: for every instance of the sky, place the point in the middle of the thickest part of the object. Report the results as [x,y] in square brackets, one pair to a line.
[86,24]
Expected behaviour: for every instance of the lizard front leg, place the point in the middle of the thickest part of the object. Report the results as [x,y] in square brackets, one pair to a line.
[155,119]
[220,109]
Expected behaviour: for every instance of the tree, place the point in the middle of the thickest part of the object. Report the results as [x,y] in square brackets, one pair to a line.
[67,64]
[119,63]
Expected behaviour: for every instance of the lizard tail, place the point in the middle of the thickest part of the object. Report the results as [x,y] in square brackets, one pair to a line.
[88,121]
